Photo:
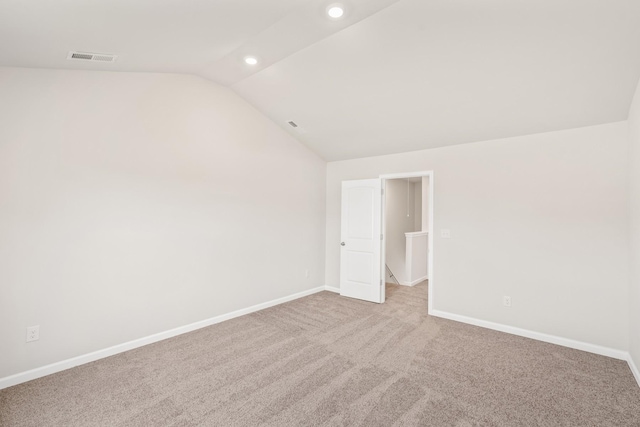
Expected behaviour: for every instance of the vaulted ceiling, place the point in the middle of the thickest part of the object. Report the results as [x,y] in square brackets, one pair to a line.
[389,76]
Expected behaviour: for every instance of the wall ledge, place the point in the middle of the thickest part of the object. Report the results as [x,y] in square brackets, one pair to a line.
[413,282]
[412,234]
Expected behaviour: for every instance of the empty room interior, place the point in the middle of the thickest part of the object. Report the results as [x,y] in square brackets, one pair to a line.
[317,212]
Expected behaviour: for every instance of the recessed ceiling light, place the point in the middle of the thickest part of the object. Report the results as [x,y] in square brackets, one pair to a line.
[251,60]
[335,11]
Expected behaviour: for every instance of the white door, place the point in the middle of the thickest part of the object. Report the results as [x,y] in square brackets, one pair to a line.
[360,272]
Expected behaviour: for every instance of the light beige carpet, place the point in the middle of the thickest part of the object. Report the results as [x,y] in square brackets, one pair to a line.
[329,360]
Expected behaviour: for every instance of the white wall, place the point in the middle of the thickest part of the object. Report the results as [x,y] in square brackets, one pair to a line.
[133,203]
[425,203]
[397,223]
[417,205]
[417,258]
[541,218]
[634,195]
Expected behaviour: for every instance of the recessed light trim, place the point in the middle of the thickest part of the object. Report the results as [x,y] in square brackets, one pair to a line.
[251,60]
[335,11]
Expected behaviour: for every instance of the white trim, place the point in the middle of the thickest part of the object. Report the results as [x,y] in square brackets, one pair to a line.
[430,285]
[413,283]
[634,368]
[565,342]
[332,289]
[405,175]
[383,242]
[130,345]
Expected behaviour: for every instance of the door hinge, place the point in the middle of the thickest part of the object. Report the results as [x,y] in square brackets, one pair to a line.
[382,191]
[381,237]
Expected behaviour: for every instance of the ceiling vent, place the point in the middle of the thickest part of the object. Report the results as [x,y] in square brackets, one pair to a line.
[296,127]
[94,57]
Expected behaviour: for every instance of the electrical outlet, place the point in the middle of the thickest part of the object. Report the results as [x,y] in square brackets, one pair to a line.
[33,333]
[445,233]
[506,301]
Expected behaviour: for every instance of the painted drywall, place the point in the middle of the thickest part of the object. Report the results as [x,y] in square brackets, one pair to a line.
[417,257]
[133,203]
[634,199]
[398,203]
[425,203]
[417,205]
[541,218]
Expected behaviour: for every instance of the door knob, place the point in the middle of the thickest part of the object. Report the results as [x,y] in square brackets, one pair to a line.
[342,243]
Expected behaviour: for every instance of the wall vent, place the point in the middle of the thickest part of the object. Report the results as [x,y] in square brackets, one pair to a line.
[87,56]
[292,124]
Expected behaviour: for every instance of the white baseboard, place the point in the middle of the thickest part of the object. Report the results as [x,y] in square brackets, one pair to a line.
[565,342]
[413,283]
[634,369]
[100,354]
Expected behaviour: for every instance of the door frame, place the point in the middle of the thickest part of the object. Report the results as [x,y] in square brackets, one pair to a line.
[383,255]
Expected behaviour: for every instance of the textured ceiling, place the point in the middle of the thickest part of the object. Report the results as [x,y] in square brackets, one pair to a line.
[392,76]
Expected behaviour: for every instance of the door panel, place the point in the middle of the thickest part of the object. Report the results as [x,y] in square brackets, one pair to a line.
[360,207]
[361,265]
[360,271]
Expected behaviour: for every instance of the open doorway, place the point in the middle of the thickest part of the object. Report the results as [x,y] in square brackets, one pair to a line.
[407,218]
[363,242]
[406,231]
